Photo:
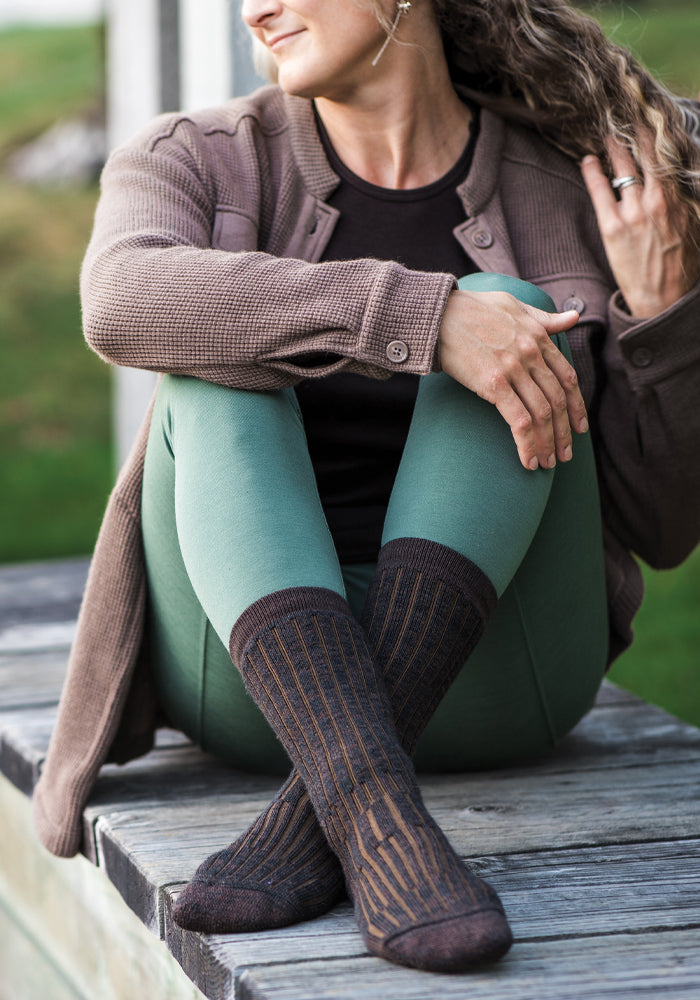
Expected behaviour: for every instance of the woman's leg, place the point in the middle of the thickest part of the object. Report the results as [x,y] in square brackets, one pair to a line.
[304,658]
[492,722]
[539,665]
[195,452]
[217,537]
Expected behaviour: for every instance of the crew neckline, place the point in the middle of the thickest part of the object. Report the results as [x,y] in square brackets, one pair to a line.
[454,175]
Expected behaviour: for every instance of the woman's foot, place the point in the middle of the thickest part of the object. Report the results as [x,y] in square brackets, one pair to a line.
[416,903]
[280,872]
[306,663]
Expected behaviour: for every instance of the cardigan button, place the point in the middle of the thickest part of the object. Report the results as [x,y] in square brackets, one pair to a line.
[574,302]
[482,238]
[642,357]
[397,351]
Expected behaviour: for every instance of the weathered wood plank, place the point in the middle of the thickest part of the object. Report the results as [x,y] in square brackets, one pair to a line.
[32,679]
[34,636]
[491,813]
[607,739]
[663,965]
[214,962]
[156,845]
[599,839]
[499,813]
[24,737]
[41,592]
[617,734]
[611,694]
[155,819]
[69,908]
[548,895]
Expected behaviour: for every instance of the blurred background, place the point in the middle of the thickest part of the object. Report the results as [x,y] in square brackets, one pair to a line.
[56,429]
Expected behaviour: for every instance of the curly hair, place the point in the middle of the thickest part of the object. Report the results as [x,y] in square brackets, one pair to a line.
[550,66]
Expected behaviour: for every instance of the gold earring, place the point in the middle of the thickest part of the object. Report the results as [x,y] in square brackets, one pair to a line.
[402,7]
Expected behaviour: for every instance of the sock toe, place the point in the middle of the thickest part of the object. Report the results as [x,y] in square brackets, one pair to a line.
[455,944]
[224,909]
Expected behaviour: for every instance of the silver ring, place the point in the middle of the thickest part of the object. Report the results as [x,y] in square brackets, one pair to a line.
[618,183]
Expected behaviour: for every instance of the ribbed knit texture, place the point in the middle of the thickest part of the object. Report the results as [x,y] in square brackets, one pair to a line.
[311,673]
[425,612]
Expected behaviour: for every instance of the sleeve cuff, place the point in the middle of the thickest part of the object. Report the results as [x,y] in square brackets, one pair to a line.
[402,319]
[658,347]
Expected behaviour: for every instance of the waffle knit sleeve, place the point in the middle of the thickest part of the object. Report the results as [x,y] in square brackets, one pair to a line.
[156,295]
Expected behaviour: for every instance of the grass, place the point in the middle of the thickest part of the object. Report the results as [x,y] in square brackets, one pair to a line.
[55,398]
[54,406]
[664,35]
[662,665]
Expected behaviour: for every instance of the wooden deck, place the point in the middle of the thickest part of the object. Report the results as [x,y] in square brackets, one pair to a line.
[594,850]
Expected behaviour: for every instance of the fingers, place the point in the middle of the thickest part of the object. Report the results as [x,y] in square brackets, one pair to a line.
[607,200]
[536,390]
[501,349]
[599,189]
[642,227]
[623,165]
[558,381]
[543,434]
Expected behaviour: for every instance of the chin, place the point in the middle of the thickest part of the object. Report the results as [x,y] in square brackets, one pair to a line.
[296,85]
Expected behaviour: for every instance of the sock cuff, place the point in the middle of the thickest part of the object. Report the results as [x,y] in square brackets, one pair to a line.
[439,562]
[276,607]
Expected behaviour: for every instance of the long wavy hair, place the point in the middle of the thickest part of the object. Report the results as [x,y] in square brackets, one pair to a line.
[552,67]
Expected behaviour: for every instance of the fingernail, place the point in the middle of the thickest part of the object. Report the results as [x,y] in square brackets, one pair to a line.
[533,463]
[551,461]
[567,453]
[583,426]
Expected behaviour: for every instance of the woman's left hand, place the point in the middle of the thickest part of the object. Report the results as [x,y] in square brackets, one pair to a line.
[644,233]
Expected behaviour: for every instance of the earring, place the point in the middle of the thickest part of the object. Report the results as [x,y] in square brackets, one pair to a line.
[402,7]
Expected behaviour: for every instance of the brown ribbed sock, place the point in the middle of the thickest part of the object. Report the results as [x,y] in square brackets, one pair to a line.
[280,872]
[424,613]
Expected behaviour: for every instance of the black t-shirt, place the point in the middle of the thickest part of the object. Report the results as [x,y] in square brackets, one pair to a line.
[356,426]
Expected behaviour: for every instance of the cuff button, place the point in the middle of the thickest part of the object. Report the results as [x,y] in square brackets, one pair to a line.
[397,351]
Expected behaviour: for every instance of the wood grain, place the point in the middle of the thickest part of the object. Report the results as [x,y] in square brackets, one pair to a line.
[594,849]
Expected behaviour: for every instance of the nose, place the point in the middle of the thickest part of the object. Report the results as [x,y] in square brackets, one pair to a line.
[256,12]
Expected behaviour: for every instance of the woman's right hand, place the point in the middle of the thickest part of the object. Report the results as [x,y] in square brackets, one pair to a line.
[500,348]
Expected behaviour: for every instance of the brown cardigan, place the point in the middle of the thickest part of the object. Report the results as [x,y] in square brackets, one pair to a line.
[204,260]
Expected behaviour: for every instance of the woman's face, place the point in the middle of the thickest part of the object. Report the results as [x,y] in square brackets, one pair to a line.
[322,48]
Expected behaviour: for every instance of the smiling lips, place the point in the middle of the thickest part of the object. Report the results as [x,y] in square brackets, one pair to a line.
[273,43]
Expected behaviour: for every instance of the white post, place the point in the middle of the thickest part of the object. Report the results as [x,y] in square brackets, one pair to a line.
[133,98]
[206,52]
[162,55]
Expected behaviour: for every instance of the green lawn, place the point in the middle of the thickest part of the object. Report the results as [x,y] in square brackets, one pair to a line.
[54,403]
[57,462]
[665,35]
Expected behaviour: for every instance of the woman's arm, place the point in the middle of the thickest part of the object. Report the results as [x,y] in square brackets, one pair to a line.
[648,422]
[647,427]
[157,296]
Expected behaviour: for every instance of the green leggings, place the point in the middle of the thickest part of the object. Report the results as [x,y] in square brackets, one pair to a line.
[231,513]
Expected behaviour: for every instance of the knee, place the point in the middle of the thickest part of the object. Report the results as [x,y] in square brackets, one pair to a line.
[192,409]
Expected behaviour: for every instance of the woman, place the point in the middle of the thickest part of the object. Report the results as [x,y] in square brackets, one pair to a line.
[301,238]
